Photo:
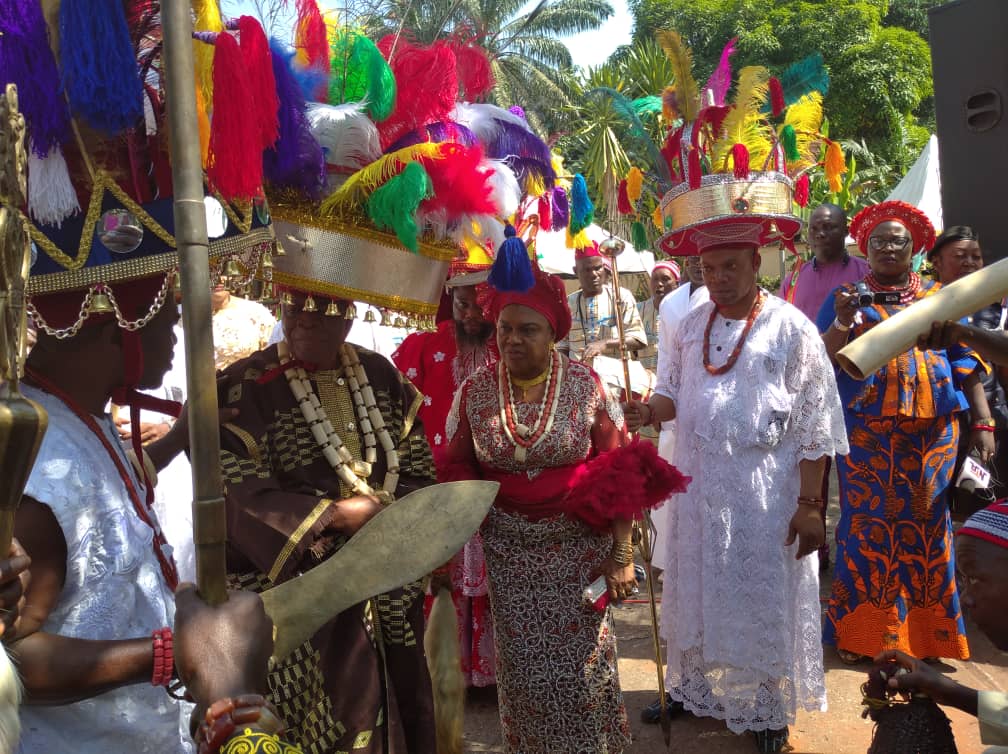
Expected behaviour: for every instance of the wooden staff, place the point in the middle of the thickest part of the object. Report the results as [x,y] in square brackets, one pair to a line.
[612,247]
[209,519]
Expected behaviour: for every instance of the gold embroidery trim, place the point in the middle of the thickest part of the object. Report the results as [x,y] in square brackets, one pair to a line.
[411,415]
[247,440]
[297,536]
[382,300]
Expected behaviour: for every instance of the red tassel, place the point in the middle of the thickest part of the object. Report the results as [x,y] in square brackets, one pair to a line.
[622,483]
[740,159]
[695,175]
[256,54]
[801,190]
[235,162]
[776,96]
[545,212]
[623,200]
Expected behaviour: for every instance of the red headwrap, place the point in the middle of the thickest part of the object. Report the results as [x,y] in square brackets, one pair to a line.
[585,252]
[548,297]
[669,265]
[916,222]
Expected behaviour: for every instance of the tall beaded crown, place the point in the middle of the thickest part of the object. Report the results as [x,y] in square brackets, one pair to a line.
[99,207]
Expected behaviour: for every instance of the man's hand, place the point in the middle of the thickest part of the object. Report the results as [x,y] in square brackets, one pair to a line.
[592,350]
[14,580]
[149,431]
[221,651]
[926,680]
[637,414]
[353,512]
[942,335]
[808,527]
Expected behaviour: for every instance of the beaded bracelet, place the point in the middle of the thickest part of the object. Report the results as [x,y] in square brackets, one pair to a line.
[980,427]
[225,715]
[164,657]
[818,502]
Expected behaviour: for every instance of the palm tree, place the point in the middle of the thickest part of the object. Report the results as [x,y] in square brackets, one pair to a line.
[532,66]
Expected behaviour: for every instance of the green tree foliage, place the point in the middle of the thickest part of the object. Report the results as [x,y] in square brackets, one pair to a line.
[531,64]
[880,75]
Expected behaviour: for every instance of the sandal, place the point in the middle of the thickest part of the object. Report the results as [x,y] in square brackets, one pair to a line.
[850,658]
[771,741]
[652,713]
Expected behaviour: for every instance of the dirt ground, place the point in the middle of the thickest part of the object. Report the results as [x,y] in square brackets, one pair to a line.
[840,730]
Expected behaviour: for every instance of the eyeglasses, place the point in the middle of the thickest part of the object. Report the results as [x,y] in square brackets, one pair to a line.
[877,243]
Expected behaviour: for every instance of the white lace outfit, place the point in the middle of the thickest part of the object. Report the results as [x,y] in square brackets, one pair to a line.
[741,616]
[113,590]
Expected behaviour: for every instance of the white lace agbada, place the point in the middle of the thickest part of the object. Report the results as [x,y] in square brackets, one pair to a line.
[740,615]
[113,590]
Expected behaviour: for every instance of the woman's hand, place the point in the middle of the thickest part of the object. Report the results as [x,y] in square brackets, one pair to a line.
[982,443]
[845,303]
[637,414]
[620,579]
[807,527]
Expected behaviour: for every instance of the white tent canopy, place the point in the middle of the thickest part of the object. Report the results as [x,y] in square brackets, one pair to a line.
[557,258]
[921,186]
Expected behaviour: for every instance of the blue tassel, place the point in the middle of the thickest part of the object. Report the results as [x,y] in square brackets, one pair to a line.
[99,66]
[512,270]
[582,211]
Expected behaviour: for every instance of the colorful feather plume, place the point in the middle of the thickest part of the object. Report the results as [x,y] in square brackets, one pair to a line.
[647,106]
[687,94]
[456,133]
[744,124]
[359,73]
[623,204]
[207,17]
[776,97]
[426,86]
[506,192]
[635,127]
[721,78]
[475,76]
[393,206]
[638,236]
[802,190]
[348,137]
[506,136]
[582,211]
[805,76]
[789,141]
[312,44]
[98,64]
[296,159]
[834,167]
[367,179]
[559,208]
[670,104]
[461,181]
[805,116]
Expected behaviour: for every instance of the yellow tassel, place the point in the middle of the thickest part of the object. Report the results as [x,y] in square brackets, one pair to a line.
[687,91]
[634,184]
[207,18]
[835,167]
[444,662]
[203,121]
[534,185]
[657,219]
[367,179]
[580,241]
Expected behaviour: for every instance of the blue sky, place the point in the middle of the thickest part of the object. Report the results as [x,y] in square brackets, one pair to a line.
[588,49]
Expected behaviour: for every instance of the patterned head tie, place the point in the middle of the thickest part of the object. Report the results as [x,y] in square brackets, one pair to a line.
[990,524]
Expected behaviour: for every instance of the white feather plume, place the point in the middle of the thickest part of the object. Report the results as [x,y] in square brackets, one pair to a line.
[506,192]
[485,120]
[348,137]
[484,230]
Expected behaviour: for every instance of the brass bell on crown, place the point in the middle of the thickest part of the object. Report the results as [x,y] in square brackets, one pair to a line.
[267,261]
[369,316]
[286,298]
[309,305]
[100,303]
[231,269]
[332,310]
[351,311]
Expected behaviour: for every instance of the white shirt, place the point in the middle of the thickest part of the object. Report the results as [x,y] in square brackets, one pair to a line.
[113,590]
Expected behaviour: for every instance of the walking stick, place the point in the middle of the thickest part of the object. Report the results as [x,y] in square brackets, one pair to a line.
[612,247]
[209,518]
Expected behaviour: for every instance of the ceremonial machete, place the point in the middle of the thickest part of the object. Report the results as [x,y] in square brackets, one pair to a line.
[402,543]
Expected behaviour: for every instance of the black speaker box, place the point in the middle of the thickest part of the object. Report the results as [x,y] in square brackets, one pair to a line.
[969,55]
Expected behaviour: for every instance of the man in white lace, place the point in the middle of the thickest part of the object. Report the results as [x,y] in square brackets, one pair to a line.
[757,412]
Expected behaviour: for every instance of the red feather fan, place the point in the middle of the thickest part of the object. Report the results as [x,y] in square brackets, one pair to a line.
[461,185]
[426,86]
[622,483]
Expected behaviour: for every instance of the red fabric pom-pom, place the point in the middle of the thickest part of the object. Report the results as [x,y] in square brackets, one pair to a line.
[622,484]
[776,96]
[801,190]
[623,199]
[740,160]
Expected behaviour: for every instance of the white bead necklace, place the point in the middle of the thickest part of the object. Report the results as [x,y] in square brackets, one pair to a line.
[371,422]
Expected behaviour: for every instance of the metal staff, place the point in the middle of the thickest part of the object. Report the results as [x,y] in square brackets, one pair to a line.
[209,519]
[612,247]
